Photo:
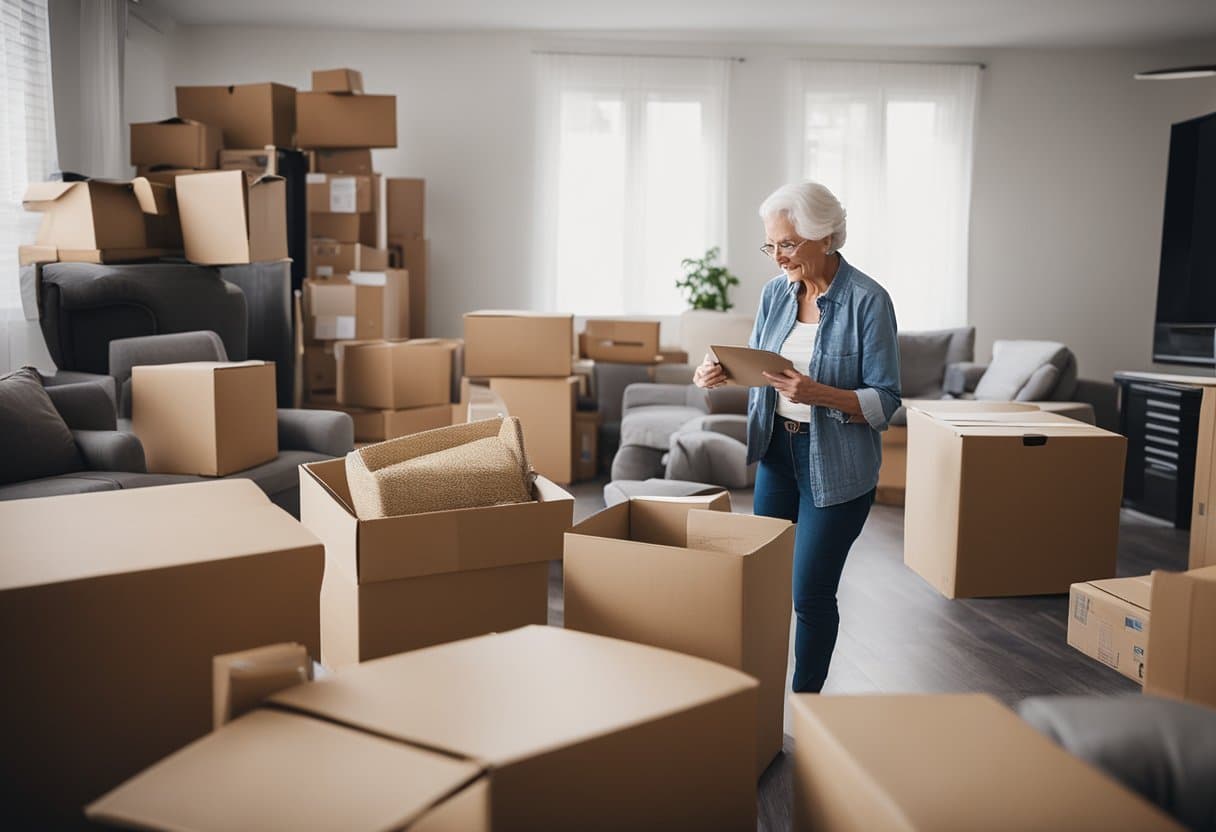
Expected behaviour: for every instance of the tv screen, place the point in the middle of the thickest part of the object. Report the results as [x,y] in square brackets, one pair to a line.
[1186,284]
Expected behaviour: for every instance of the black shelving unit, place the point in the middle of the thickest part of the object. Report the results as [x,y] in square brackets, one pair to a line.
[1161,423]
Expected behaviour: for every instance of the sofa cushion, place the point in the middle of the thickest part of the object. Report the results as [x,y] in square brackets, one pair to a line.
[652,427]
[1159,748]
[710,457]
[1013,364]
[35,442]
[922,362]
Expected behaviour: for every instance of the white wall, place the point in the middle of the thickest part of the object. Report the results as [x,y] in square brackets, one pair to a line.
[1069,165]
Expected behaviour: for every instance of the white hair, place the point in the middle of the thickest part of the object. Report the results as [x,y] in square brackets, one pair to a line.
[814,210]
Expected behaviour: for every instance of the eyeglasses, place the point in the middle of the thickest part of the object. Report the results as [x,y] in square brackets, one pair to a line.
[785,247]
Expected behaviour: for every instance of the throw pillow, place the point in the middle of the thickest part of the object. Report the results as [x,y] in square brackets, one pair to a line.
[1013,363]
[34,440]
[922,363]
[463,466]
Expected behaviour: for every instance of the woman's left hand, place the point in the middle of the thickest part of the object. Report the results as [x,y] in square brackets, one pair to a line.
[796,387]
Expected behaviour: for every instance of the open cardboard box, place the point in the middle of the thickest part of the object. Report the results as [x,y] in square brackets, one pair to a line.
[97,221]
[686,574]
[956,761]
[113,606]
[226,218]
[572,731]
[400,583]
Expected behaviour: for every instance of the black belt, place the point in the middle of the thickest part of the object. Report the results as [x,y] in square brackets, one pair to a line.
[794,427]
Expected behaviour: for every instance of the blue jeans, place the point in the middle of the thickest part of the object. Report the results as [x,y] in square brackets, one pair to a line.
[821,543]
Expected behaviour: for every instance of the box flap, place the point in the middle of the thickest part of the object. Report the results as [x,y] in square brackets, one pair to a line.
[566,687]
[664,520]
[39,195]
[153,198]
[1136,591]
[739,534]
[514,313]
[955,762]
[140,529]
[274,770]
[266,178]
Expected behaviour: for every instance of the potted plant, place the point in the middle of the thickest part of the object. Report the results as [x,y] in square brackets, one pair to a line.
[705,284]
[709,321]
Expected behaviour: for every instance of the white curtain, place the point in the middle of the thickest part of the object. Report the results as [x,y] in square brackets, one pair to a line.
[894,142]
[632,178]
[27,154]
[103,34]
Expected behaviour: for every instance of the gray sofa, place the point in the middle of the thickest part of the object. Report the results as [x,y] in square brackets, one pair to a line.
[304,435]
[107,459]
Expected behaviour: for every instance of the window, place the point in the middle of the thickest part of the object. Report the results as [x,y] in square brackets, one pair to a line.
[27,130]
[894,143]
[632,176]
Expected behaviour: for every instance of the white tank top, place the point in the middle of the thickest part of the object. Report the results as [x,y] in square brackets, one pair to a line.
[798,346]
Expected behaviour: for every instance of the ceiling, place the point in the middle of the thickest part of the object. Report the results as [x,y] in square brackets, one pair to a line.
[1025,23]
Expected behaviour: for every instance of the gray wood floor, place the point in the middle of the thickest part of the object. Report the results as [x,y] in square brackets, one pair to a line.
[899,635]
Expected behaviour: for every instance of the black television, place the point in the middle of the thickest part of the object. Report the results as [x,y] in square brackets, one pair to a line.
[1185,331]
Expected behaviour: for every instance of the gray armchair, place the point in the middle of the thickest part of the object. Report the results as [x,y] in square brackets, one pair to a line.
[304,435]
[111,459]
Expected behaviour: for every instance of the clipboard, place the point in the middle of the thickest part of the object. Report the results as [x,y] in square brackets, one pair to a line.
[744,365]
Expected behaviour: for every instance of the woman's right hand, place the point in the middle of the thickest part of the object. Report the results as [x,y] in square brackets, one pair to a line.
[710,374]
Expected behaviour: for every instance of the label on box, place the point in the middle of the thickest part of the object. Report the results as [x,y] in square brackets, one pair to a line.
[342,195]
[1080,608]
[315,179]
[1107,654]
[1133,623]
[325,271]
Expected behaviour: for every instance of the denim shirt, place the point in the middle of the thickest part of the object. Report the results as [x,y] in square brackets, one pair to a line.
[856,348]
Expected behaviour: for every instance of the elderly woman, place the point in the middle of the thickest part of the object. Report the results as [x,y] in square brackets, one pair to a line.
[815,429]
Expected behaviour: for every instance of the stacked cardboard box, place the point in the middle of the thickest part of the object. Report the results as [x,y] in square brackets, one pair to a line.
[394,388]
[405,201]
[527,358]
[97,221]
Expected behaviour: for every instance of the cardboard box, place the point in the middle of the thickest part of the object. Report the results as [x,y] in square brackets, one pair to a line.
[392,375]
[210,418]
[400,583]
[251,115]
[330,257]
[477,401]
[228,219]
[254,162]
[621,341]
[953,761]
[731,573]
[337,80]
[90,221]
[545,408]
[1010,504]
[406,208]
[381,425]
[1109,620]
[672,355]
[163,175]
[411,255]
[361,305]
[515,343]
[1181,644]
[586,444]
[320,368]
[328,120]
[177,142]
[113,605]
[357,161]
[333,194]
[576,732]
[240,681]
[340,228]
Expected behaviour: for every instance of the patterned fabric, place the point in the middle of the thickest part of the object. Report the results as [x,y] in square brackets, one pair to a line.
[463,466]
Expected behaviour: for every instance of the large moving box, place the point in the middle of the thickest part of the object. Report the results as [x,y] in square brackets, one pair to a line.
[362,305]
[620,341]
[545,408]
[1182,641]
[1108,620]
[339,194]
[337,120]
[515,343]
[393,375]
[251,115]
[177,143]
[535,729]
[400,583]
[210,418]
[713,584]
[228,219]
[111,608]
[947,762]
[96,221]
[1010,504]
